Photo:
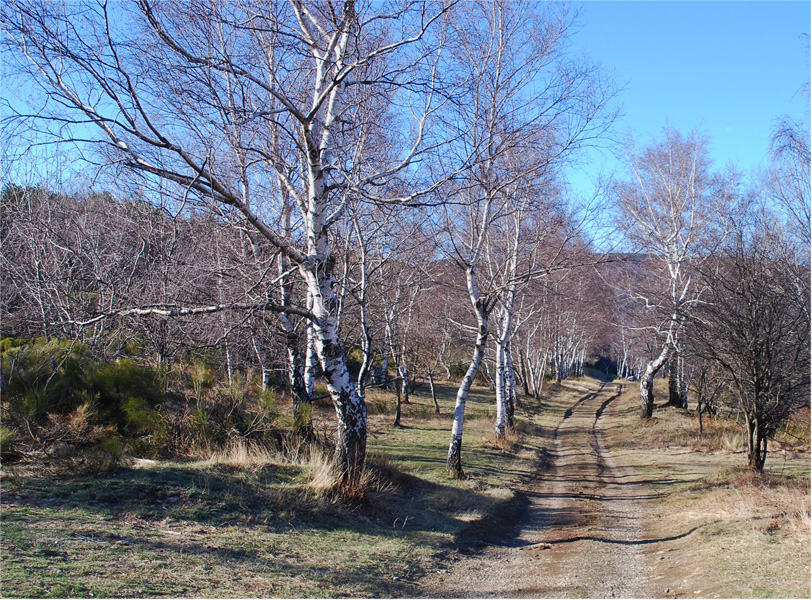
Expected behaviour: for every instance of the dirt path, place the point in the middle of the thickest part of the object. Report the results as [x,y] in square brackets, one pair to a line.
[582,534]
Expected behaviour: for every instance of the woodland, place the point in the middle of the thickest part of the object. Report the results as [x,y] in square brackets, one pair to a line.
[258,225]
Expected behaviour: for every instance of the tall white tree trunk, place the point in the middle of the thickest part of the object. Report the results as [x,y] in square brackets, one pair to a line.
[311,359]
[504,367]
[501,385]
[454,461]
[350,409]
[647,383]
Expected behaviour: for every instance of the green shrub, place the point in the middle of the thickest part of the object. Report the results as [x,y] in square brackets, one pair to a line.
[125,382]
[268,399]
[203,431]
[6,438]
[140,418]
[44,376]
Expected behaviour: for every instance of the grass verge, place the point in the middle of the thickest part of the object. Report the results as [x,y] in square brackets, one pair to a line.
[249,522]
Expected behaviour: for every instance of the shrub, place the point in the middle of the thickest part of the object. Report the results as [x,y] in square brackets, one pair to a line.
[81,441]
[6,437]
[43,376]
[120,381]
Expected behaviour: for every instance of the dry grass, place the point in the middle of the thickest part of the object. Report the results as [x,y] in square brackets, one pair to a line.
[672,427]
[315,460]
[505,444]
[748,534]
[380,474]
[771,504]
[243,454]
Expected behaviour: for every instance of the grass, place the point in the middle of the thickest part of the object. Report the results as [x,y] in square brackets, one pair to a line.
[753,530]
[252,522]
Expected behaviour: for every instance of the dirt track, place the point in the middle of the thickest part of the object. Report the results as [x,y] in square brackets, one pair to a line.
[582,534]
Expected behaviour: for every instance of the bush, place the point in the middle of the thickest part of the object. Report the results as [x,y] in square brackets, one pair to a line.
[44,376]
[119,382]
[6,441]
[63,393]
[82,442]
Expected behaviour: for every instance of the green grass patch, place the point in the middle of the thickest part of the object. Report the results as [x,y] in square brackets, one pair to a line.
[243,529]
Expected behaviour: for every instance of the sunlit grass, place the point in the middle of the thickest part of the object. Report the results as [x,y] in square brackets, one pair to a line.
[251,521]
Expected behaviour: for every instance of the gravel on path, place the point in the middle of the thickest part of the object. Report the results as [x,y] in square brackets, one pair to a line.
[583,533]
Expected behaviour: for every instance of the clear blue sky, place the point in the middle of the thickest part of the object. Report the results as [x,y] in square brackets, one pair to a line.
[729,68]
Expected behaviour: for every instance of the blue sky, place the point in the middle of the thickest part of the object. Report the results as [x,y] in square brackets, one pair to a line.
[728,68]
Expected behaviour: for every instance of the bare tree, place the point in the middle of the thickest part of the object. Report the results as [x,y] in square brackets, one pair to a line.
[233,102]
[754,324]
[671,210]
[526,103]
[788,179]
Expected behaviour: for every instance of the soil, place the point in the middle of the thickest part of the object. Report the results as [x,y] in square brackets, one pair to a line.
[591,526]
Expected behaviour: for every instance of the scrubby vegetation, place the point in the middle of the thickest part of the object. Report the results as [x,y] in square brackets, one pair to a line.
[62,400]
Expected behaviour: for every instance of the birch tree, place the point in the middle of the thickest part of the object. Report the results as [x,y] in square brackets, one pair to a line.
[233,102]
[524,91]
[671,208]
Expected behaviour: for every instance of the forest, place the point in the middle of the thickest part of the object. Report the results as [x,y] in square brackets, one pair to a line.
[300,233]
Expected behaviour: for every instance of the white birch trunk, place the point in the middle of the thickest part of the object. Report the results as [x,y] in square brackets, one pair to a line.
[311,359]
[501,391]
[503,363]
[454,461]
[647,383]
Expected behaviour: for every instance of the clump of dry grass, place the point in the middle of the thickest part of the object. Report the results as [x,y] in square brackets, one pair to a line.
[323,479]
[380,477]
[323,476]
[504,444]
[243,454]
[769,503]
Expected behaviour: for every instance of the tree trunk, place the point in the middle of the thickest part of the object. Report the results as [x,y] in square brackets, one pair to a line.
[675,397]
[699,413]
[501,389]
[433,394]
[311,357]
[512,390]
[489,375]
[756,445]
[302,404]
[523,371]
[515,395]
[647,383]
[398,391]
[351,410]
[454,461]
[404,380]
[351,414]
[683,382]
